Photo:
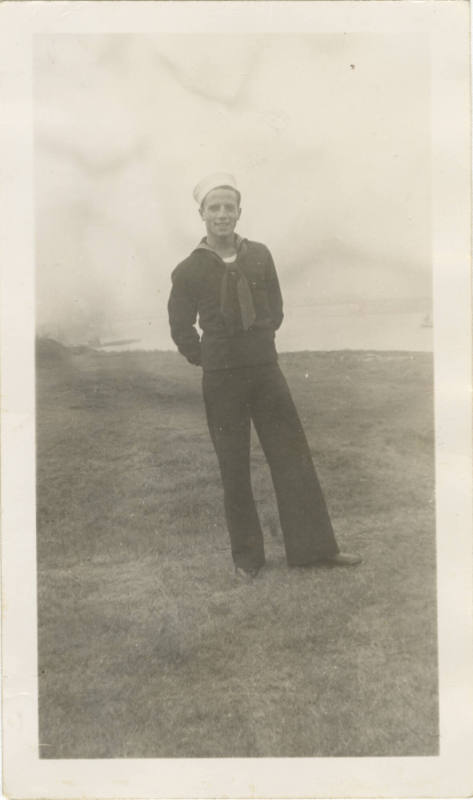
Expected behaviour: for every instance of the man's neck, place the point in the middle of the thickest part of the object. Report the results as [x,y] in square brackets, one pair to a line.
[223,245]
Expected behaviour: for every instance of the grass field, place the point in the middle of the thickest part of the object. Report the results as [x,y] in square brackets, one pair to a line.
[149,646]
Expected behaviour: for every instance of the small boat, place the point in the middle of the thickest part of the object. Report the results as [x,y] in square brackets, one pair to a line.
[118,342]
[427,321]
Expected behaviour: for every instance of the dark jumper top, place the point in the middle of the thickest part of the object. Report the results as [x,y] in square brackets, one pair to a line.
[197,294]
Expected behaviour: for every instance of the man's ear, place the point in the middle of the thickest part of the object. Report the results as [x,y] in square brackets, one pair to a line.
[201,211]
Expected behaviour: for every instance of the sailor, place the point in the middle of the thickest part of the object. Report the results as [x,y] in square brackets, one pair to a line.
[229,284]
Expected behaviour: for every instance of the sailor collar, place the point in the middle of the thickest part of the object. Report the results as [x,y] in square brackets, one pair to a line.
[240,244]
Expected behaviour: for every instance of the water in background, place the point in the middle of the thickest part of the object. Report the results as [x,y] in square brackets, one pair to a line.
[316,328]
[355,331]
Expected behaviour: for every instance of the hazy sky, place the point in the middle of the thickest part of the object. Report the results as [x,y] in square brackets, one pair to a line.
[328,136]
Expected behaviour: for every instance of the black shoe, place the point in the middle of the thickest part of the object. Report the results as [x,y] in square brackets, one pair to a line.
[247,573]
[342,560]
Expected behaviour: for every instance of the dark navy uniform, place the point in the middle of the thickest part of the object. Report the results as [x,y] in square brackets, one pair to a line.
[242,383]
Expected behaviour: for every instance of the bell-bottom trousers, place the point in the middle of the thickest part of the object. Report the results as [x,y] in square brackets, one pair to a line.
[233,398]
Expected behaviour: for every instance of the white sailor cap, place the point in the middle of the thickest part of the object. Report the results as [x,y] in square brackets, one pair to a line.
[214,181]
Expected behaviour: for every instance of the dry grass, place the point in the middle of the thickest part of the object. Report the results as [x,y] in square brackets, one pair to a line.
[150,647]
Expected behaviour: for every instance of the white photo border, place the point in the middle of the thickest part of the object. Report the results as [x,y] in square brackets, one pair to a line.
[450,773]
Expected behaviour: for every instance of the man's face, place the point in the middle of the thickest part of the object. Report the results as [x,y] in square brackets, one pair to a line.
[220,212]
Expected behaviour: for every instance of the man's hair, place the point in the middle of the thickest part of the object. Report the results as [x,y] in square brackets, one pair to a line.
[232,188]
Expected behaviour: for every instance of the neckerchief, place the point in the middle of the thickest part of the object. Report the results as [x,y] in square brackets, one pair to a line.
[245,297]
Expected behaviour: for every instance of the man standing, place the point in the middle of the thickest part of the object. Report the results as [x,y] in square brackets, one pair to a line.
[230,284]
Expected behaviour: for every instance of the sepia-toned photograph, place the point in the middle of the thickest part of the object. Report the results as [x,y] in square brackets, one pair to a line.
[239,508]
[235,473]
